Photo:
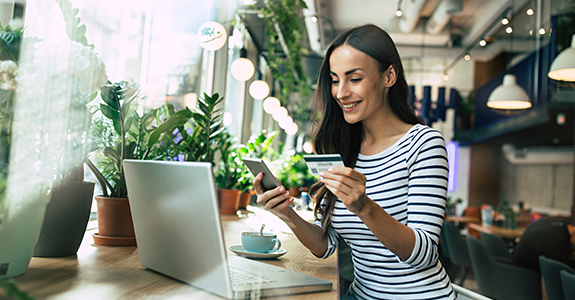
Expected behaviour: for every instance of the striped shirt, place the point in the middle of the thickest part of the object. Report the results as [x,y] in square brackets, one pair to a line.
[409,181]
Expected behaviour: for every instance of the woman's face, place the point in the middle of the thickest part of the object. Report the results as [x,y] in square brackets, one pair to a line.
[357,84]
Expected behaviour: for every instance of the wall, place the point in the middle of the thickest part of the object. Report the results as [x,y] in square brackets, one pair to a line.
[546,188]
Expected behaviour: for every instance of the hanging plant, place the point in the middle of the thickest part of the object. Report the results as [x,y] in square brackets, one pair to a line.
[287,67]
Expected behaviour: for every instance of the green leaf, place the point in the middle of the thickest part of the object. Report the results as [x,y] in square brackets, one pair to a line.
[128,123]
[109,112]
[109,96]
[176,120]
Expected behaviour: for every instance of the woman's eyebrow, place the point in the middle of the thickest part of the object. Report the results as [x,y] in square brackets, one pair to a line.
[347,72]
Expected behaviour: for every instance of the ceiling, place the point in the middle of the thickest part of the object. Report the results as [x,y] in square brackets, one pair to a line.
[446,28]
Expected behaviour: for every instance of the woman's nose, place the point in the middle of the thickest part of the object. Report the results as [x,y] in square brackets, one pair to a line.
[342,91]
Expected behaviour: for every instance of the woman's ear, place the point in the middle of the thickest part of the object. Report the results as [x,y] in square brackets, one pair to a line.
[390,76]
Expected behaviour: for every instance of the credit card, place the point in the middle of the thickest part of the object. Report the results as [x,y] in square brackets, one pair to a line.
[321,162]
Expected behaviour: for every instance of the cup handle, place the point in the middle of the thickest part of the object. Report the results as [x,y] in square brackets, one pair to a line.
[277,243]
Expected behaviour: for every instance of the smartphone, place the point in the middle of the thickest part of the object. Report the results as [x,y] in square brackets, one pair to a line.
[257,165]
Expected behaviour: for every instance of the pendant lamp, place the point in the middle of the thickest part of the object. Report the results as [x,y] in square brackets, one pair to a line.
[242,68]
[509,95]
[563,67]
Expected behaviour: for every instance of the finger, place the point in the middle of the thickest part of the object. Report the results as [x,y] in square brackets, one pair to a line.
[278,199]
[338,180]
[257,184]
[348,172]
[265,197]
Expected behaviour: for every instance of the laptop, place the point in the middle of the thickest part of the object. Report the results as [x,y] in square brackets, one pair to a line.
[179,232]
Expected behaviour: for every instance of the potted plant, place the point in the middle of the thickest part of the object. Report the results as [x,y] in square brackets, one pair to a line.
[229,173]
[294,173]
[119,133]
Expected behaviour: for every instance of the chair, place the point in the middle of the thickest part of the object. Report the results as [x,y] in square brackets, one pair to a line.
[550,269]
[500,280]
[495,247]
[568,282]
[456,249]
[473,211]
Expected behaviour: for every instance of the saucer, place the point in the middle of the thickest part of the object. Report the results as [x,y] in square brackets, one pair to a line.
[241,251]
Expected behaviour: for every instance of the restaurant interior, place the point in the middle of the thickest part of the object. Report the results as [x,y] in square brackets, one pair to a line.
[86,84]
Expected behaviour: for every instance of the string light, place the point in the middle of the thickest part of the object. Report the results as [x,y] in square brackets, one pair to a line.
[482,43]
[530,11]
[398,12]
[509,29]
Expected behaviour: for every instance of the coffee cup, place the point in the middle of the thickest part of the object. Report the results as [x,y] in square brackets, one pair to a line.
[264,243]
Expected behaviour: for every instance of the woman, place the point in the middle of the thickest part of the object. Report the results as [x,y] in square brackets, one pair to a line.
[388,202]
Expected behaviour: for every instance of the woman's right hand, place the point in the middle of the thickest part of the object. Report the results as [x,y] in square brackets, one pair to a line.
[275,200]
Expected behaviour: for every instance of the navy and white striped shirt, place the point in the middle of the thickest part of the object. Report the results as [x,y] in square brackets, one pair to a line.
[409,181]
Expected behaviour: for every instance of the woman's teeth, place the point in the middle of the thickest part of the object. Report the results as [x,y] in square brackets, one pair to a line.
[350,105]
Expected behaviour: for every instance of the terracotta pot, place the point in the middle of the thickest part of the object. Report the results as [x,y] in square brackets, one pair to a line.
[294,192]
[115,224]
[245,198]
[229,201]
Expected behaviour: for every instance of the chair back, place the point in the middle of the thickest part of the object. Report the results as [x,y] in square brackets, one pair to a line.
[500,280]
[482,266]
[551,269]
[495,246]
[568,282]
[457,248]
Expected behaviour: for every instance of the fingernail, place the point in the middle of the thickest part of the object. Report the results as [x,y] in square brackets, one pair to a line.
[282,189]
[330,169]
[320,178]
[286,194]
[321,173]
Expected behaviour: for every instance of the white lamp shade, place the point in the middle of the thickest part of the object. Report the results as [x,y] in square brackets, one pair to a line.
[212,36]
[285,122]
[271,104]
[508,95]
[259,89]
[280,113]
[563,67]
[242,69]
[292,129]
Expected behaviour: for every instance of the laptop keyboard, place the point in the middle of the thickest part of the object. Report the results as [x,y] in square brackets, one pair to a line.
[240,277]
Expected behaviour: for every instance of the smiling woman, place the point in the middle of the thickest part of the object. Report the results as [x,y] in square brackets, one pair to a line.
[388,202]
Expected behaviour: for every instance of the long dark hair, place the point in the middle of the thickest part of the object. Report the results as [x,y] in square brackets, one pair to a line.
[332,134]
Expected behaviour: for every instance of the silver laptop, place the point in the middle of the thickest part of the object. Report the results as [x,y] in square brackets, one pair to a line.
[179,233]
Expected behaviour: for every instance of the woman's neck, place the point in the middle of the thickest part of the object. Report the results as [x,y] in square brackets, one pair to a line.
[382,133]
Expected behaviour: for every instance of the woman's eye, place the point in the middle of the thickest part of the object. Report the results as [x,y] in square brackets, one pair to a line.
[334,81]
[356,79]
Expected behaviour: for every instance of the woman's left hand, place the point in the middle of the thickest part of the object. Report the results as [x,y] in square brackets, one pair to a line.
[348,185]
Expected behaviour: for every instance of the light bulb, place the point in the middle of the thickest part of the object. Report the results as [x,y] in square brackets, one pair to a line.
[482,43]
[271,104]
[280,113]
[242,69]
[259,89]
[292,129]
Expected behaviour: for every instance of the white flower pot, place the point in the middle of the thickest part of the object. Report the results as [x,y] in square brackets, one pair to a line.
[18,235]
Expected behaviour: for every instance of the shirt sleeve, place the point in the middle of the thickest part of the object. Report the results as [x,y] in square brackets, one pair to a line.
[332,241]
[427,192]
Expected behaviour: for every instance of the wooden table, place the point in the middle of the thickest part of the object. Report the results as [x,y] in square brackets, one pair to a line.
[105,272]
[462,219]
[505,233]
